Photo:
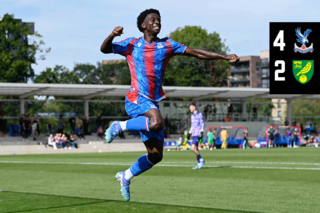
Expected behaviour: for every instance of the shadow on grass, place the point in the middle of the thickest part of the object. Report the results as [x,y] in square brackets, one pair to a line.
[215,167]
[101,200]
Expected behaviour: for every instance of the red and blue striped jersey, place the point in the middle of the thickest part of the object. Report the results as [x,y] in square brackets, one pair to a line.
[147,63]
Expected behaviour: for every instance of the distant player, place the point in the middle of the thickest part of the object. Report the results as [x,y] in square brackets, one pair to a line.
[246,143]
[147,58]
[270,134]
[295,137]
[197,125]
[224,138]
[276,136]
[211,138]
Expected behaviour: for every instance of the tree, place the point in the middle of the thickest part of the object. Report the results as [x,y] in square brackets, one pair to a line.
[58,75]
[188,71]
[16,54]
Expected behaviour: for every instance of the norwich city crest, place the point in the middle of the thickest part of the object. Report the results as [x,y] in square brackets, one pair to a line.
[303,70]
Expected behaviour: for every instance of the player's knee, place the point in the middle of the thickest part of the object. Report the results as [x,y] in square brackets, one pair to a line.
[155,157]
[156,125]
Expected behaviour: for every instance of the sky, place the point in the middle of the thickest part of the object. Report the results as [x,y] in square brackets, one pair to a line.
[75,29]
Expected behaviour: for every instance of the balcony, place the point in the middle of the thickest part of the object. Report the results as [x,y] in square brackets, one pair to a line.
[263,75]
[263,86]
[239,69]
[239,79]
[262,65]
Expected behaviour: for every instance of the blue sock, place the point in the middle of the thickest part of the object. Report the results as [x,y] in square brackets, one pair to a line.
[143,164]
[198,158]
[138,124]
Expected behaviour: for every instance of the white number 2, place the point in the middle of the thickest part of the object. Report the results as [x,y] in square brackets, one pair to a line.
[278,42]
[281,70]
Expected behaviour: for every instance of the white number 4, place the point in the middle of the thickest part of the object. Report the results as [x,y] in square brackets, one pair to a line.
[278,42]
[281,70]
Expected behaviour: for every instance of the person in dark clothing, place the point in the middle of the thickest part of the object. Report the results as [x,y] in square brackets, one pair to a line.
[254,111]
[26,128]
[60,125]
[85,125]
[3,124]
[246,143]
[37,129]
[98,121]
[21,120]
[72,122]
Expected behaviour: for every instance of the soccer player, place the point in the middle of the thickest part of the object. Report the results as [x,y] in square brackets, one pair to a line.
[224,138]
[276,138]
[295,137]
[270,133]
[197,125]
[246,143]
[147,58]
[211,138]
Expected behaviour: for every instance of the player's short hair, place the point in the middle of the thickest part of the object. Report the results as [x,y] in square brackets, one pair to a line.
[193,105]
[143,15]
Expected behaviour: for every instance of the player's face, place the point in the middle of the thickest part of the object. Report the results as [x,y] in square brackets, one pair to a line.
[192,108]
[152,23]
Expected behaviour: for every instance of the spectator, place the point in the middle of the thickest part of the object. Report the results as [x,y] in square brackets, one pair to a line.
[51,142]
[311,128]
[26,128]
[315,129]
[302,129]
[288,134]
[294,122]
[72,142]
[79,122]
[276,138]
[205,112]
[64,141]
[286,122]
[98,121]
[214,110]
[3,124]
[35,128]
[21,120]
[72,122]
[167,124]
[270,134]
[60,124]
[255,112]
[230,110]
[57,139]
[86,125]
[307,126]
[295,138]
[79,133]
[100,132]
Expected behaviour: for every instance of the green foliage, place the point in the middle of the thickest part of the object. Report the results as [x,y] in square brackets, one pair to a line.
[262,109]
[305,109]
[57,75]
[16,53]
[189,71]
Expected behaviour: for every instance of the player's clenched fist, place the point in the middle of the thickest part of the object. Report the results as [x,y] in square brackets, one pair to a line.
[233,58]
[117,31]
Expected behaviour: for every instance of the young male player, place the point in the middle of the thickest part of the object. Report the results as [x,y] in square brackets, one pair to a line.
[147,58]
[224,138]
[197,126]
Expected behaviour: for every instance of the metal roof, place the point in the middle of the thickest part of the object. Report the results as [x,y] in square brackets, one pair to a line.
[89,91]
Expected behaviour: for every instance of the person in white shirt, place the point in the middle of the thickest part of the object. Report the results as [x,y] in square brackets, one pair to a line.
[51,142]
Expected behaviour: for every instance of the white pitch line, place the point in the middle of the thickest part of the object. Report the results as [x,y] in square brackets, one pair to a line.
[129,164]
[248,162]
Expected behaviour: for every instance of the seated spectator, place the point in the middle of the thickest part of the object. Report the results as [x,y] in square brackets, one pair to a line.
[51,142]
[79,133]
[64,143]
[315,129]
[72,142]
[99,132]
[57,139]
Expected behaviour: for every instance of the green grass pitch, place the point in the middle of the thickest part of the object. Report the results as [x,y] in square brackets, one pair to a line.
[257,180]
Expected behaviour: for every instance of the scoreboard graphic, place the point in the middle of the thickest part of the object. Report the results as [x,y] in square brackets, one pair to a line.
[294,58]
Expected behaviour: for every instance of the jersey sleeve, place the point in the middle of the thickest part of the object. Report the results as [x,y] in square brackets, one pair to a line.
[122,46]
[177,48]
[201,120]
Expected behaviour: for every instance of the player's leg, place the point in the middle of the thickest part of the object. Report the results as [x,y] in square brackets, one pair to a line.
[145,117]
[195,150]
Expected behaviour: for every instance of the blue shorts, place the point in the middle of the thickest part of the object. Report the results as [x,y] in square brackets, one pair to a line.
[137,105]
[195,140]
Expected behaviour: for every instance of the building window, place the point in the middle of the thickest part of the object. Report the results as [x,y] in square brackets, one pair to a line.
[279,114]
[265,83]
[279,103]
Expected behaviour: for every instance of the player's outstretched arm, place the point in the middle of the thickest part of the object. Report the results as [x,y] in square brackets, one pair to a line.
[208,55]
[106,46]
